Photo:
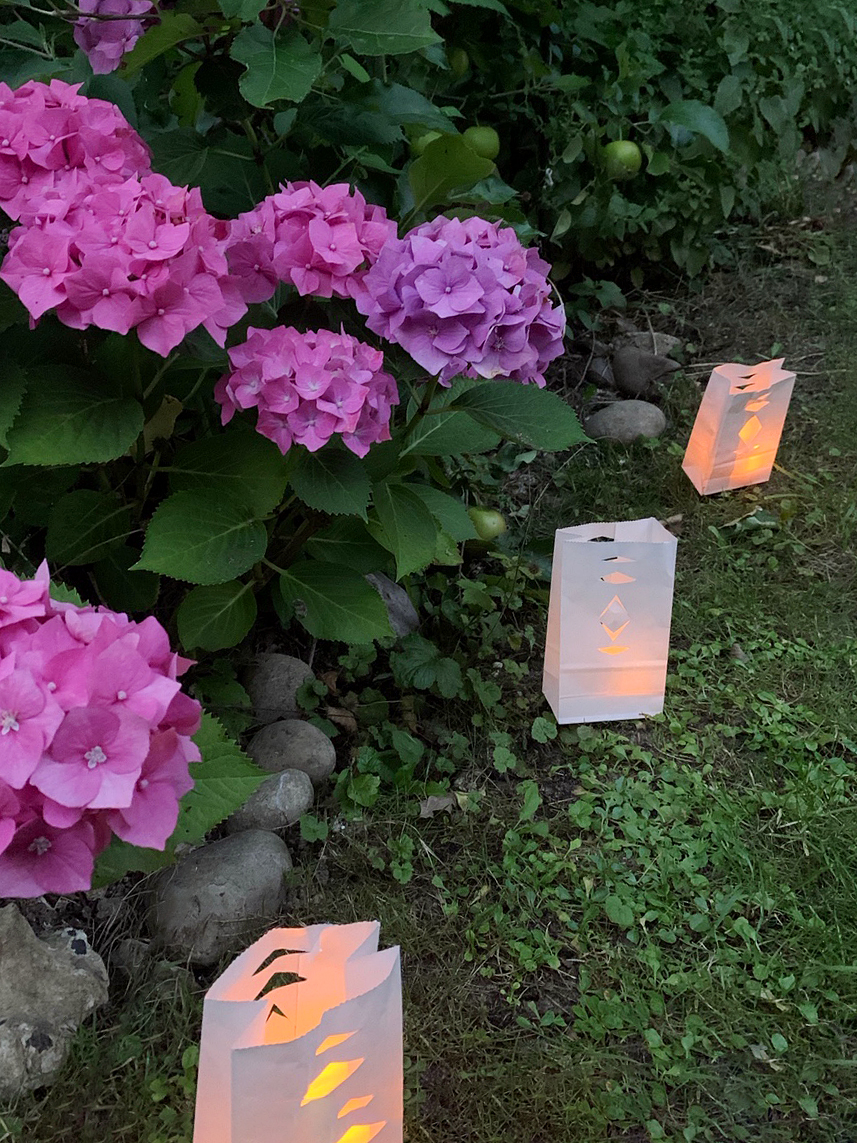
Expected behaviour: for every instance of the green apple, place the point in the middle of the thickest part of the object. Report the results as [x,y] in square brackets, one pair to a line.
[488,522]
[419,144]
[484,141]
[459,62]
[622,159]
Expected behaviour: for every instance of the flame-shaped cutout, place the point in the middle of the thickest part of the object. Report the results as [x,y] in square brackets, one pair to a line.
[756,404]
[750,430]
[332,1041]
[329,1080]
[363,1133]
[355,1105]
[613,650]
[617,577]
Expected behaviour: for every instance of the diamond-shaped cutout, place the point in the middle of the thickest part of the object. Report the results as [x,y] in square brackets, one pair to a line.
[757,403]
[750,430]
[617,577]
[614,618]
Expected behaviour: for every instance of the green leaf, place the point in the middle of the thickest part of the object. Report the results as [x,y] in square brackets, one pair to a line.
[123,589]
[382,27]
[446,165]
[246,10]
[419,663]
[11,395]
[699,118]
[449,434]
[174,28]
[218,616]
[203,539]
[354,68]
[279,66]
[67,418]
[531,799]
[523,413]
[223,781]
[404,527]
[332,480]
[450,513]
[83,526]
[492,5]
[241,464]
[347,542]
[400,105]
[618,912]
[334,602]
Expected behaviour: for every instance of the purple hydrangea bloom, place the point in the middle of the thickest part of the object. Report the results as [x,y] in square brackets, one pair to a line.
[464,297]
[105,41]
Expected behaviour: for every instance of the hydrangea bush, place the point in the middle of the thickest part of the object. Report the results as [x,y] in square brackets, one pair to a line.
[218,411]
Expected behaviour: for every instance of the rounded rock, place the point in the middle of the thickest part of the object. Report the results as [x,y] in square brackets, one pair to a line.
[291,744]
[636,371]
[277,803]
[219,895]
[273,685]
[626,421]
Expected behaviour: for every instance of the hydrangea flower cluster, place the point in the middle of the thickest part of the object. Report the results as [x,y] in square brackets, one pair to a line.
[465,297]
[308,386]
[105,41]
[94,736]
[139,254]
[52,140]
[320,239]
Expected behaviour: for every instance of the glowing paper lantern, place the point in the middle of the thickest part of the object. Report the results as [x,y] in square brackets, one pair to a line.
[609,620]
[314,1059]
[737,429]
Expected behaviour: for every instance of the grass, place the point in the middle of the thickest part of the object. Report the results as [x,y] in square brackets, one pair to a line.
[635,931]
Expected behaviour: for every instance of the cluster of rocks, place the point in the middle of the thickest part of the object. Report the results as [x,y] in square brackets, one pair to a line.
[626,374]
[221,894]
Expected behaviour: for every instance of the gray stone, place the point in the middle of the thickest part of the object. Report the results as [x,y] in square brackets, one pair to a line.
[404,617]
[600,372]
[662,344]
[219,895]
[277,803]
[273,683]
[635,370]
[129,955]
[291,744]
[626,421]
[47,987]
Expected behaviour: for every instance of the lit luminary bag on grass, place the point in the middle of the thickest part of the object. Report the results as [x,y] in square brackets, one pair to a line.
[317,1059]
[737,429]
[609,620]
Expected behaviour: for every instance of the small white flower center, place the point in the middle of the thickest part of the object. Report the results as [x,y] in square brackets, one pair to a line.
[94,757]
[39,846]
[121,695]
[142,784]
[8,721]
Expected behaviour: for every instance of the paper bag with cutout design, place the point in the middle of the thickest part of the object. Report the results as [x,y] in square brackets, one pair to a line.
[314,1059]
[609,620]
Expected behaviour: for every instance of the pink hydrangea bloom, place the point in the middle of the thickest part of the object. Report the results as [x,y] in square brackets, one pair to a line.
[50,136]
[308,386]
[106,41]
[95,736]
[138,254]
[464,297]
[322,240]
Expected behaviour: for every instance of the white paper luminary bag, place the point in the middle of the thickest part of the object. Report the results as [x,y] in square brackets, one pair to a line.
[317,1060]
[609,620]
[737,430]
